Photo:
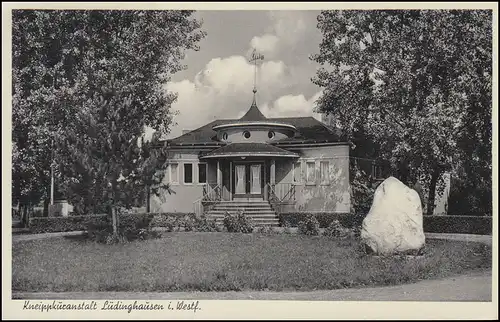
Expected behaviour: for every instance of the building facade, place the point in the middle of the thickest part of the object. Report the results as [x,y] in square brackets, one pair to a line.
[294,164]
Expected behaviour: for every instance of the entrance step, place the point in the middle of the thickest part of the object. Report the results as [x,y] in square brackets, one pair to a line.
[260,211]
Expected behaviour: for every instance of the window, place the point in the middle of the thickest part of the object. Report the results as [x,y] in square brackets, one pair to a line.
[174,173]
[188,173]
[297,172]
[246,134]
[224,136]
[202,173]
[270,134]
[323,171]
[311,172]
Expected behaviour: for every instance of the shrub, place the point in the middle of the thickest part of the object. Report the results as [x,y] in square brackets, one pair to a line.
[335,230]
[130,227]
[204,224]
[188,223]
[100,229]
[458,224]
[324,218]
[166,221]
[309,226]
[238,223]
[267,230]
[61,224]
[135,226]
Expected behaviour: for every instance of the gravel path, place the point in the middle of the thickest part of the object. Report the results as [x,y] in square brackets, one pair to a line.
[475,287]
[486,239]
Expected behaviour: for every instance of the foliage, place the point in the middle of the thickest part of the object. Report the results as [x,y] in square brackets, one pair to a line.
[266,230]
[238,223]
[204,224]
[336,231]
[130,227]
[362,191]
[85,87]
[470,194]
[169,222]
[309,226]
[188,223]
[292,219]
[481,225]
[415,83]
[62,224]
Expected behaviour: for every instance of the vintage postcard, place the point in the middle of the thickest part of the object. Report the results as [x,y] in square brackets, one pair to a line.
[249,160]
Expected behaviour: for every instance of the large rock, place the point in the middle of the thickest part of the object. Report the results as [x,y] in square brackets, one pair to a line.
[394,223]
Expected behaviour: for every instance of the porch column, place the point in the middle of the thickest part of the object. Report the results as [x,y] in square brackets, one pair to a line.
[231,180]
[266,197]
[272,173]
[219,174]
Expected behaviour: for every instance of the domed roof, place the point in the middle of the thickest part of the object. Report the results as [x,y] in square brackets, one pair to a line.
[253,114]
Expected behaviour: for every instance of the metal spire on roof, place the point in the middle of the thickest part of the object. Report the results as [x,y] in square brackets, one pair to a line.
[255,57]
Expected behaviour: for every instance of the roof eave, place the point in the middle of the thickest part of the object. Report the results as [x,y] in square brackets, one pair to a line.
[249,154]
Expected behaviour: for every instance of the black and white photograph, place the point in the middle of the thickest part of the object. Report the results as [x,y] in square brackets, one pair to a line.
[158,158]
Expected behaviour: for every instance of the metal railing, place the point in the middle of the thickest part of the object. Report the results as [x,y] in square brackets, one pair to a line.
[198,207]
[281,192]
[280,195]
[212,195]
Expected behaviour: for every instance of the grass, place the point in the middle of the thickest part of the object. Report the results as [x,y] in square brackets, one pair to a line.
[224,261]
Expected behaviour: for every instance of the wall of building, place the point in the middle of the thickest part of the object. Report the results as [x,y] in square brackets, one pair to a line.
[257,134]
[330,195]
[183,194]
[327,193]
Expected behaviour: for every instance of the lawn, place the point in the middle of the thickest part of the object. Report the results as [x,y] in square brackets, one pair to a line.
[228,261]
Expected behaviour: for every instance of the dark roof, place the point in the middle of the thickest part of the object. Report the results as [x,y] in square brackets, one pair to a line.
[249,149]
[308,128]
[253,114]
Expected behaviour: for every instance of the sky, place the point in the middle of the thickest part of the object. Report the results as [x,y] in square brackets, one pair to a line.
[219,79]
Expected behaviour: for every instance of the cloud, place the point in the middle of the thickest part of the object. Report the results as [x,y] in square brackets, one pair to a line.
[265,44]
[288,25]
[287,28]
[223,89]
[292,106]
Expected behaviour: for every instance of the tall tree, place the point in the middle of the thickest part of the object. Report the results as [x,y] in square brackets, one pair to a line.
[90,82]
[407,80]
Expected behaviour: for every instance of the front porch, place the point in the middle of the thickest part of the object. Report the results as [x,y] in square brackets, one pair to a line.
[246,180]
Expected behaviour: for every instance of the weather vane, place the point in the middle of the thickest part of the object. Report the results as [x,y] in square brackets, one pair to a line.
[255,57]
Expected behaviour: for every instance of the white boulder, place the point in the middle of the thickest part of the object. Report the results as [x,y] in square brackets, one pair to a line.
[394,223]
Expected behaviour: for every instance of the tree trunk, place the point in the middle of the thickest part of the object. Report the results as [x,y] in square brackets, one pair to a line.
[114,219]
[114,215]
[432,192]
[46,203]
[148,199]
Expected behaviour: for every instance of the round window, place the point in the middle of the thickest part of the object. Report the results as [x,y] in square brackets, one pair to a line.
[246,134]
[270,134]
[224,136]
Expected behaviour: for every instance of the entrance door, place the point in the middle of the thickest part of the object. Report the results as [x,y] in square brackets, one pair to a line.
[248,180]
[240,181]
[255,185]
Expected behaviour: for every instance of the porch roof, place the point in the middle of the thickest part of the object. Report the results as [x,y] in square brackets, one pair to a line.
[249,150]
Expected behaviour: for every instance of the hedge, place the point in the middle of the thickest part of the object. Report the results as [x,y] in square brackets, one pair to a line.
[324,218]
[60,224]
[480,225]
[75,223]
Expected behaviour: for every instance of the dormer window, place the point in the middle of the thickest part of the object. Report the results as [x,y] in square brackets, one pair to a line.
[246,134]
[270,134]
[224,136]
